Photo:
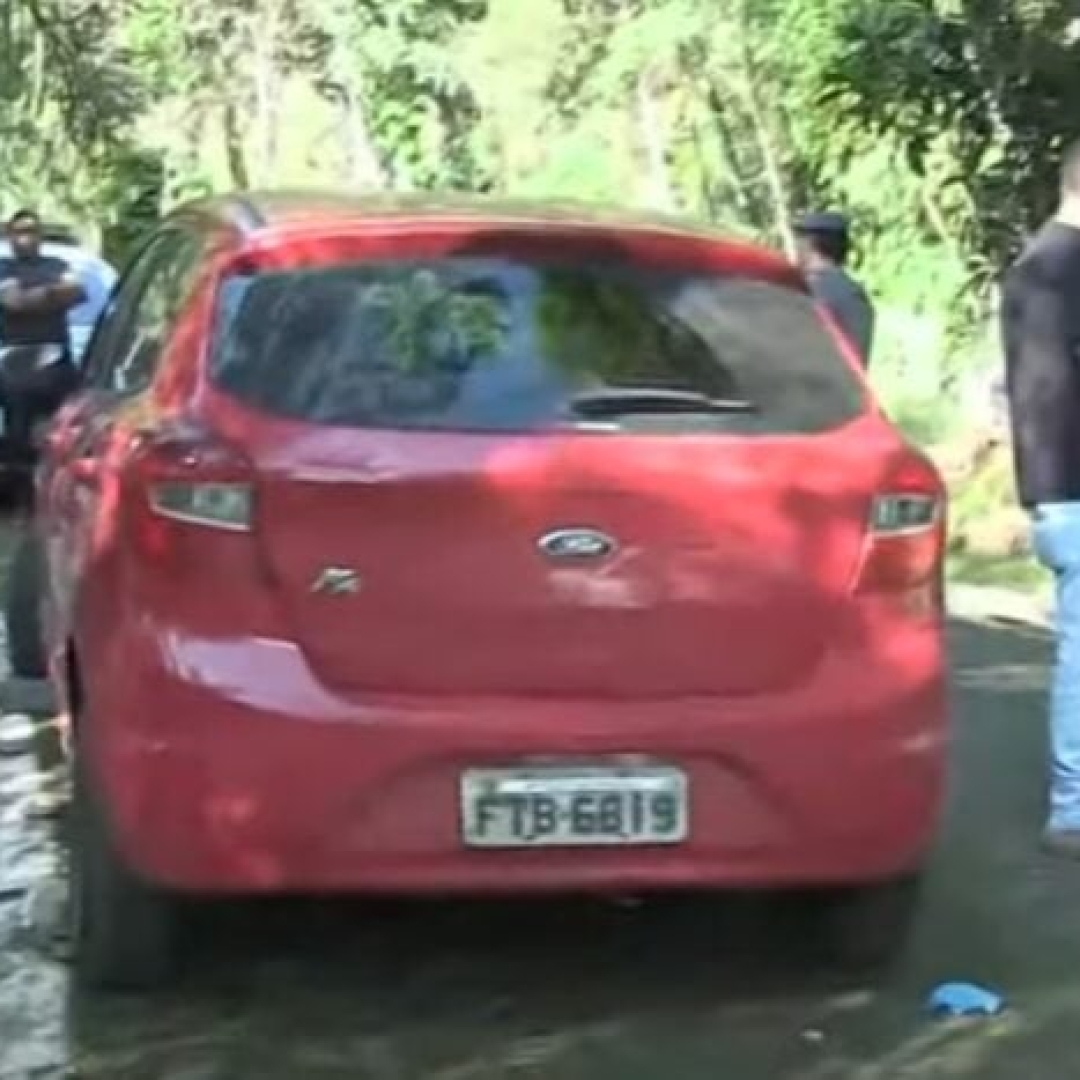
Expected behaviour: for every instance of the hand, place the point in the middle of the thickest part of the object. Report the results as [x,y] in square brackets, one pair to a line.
[11,295]
[35,297]
[67,292]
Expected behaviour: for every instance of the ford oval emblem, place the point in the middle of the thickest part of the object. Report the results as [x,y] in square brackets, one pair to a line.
[577,545]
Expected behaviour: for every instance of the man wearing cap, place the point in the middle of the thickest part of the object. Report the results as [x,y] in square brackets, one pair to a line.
[823,246]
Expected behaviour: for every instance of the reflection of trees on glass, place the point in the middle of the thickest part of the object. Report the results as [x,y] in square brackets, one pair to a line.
[484,341]
[364,342]
[607,327]
[414,333]
[432,321]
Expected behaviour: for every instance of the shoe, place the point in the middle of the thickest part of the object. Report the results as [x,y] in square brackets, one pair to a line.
[1062,843]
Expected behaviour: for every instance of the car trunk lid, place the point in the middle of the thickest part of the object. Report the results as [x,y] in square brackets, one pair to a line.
[560,565]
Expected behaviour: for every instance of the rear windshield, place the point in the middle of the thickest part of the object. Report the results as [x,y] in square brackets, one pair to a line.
[504,344]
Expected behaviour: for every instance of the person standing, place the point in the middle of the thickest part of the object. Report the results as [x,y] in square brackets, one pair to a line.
[37,371]
[36,291]
[1040,316]
[824,244]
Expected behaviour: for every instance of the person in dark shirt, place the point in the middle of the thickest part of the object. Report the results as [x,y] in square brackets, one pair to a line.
[1041,334]
[824,245]
[36,292]
[37,370]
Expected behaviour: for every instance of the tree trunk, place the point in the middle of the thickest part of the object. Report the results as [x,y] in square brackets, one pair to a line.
[763,135]
[366,169]
[652,128]
[268,90]
[730,165]
[937,221]
[235,151]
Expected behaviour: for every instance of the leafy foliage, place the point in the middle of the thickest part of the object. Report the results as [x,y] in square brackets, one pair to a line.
[937,124]
[975,91]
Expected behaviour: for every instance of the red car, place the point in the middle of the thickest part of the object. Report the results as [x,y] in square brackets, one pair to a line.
[411,547]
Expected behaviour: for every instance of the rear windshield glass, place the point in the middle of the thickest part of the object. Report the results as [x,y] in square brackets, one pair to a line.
[504,344]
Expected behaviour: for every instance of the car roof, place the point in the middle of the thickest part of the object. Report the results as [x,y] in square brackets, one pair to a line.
[256,214]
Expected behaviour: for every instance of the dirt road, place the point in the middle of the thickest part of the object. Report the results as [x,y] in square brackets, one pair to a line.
[683,992]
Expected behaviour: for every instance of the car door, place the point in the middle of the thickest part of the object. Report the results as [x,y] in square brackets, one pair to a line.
[121,364]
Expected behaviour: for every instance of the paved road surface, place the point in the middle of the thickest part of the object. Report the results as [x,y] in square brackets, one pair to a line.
[690,992]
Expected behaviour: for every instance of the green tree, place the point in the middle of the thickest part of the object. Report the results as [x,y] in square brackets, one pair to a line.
[67,106]
[978,94]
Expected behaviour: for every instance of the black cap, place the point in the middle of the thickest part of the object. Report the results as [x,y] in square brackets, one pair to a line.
[822,222]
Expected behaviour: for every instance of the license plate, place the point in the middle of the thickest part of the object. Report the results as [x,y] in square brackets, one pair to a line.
[574,807]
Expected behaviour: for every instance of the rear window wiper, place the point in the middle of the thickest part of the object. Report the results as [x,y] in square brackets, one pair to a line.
[615,401]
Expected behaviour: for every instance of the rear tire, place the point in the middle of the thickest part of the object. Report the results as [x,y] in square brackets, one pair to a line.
[867,928]
[22,608]
[123,930]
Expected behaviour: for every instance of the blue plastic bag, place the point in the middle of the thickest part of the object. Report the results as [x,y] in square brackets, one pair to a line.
[965,999]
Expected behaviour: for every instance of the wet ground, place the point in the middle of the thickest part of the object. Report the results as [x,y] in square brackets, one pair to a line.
[565,991]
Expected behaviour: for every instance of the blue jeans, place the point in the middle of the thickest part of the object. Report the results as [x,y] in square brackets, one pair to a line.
[1057,546]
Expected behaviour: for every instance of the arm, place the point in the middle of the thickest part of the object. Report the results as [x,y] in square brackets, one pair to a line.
[850,309]
[865,324]
[61,295]
[11,295]
[67,293]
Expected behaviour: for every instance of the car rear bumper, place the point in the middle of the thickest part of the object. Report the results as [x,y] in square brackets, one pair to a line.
[226,768]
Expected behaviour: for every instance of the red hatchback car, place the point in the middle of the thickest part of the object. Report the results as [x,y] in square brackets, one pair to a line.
[422,548]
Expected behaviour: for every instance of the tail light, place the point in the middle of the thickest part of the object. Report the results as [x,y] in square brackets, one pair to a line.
[906,533]
[903,514]
[185,481]
[214,503]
